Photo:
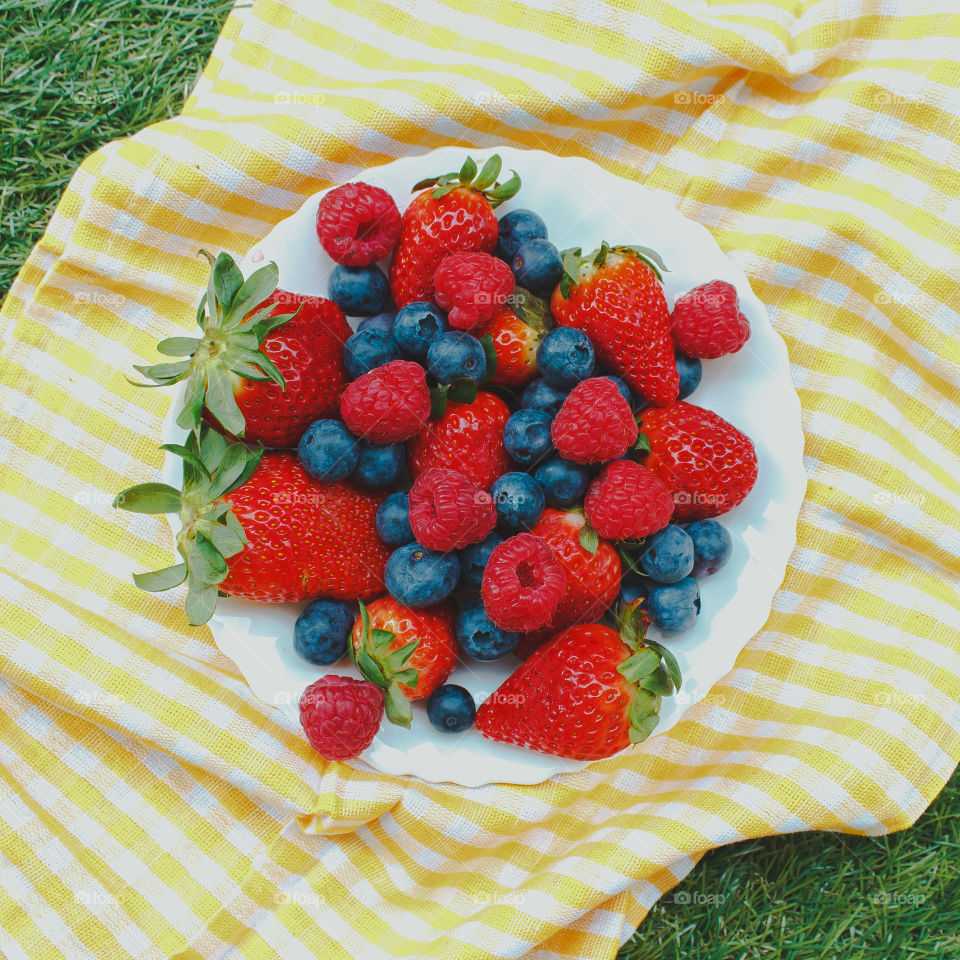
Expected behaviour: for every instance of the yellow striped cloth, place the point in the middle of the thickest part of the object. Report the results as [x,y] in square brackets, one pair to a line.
[150,806]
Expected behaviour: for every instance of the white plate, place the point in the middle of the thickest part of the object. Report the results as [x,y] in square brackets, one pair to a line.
[582,205]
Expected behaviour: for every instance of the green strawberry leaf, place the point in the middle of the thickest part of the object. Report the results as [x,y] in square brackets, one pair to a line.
[188,456]
[443,191]
[149,498]
[163,374]
[189,416]
[255,289]
[468,171]
[156,581]
[670,661]
[490,352]
[641,664]
[438,400]
[178,346]
[225,539]
[397,706]
[231,468]
[643,728]
[463,390]
[222,403]
[200,604]
[642,446]
[227,279]
[488,173]
[504,191]
[601,258]
[588,538]
[659,682]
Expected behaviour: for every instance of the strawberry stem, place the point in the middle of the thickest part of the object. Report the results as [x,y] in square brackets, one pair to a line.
[484,182]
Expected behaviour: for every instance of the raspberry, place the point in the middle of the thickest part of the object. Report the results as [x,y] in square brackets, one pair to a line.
[522,584]
[707,322]
[358,224]
[448,511]
[627,501]
[388,404]
[341,715]
[594,424]
[471,287]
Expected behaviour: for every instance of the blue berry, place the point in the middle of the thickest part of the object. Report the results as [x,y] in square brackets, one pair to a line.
[526,435]
[712,546]
[480,638]
[621,385]
[322,629]
[540,395]
[516,227]
[393,520]
[450,709]
[455,355]
[359,291]
[368,349]
[382,321]
[419,577]
[690,370]
[565,357]
[379,464]
[674,607]
[473,559]
[537,266]
[417,325]
[632,589]
[668,556]
[563,481]
[519,501]
[328,450]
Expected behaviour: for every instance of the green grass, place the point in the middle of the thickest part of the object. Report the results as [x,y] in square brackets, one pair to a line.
[77,75]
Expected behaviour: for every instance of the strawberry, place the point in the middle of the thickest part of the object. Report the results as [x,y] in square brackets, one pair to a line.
[592,567]
[707,463]
[467,437]
[255,525]
[586,694]
[615,297]
[515,340]
[269,362]
[426,638]
[455,214]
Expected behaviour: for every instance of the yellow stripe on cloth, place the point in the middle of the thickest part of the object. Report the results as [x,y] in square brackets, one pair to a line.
[150,806]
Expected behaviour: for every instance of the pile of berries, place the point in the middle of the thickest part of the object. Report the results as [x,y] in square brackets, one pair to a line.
[499,459]
[544,467]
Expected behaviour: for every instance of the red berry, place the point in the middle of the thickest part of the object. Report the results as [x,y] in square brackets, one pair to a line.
[627,502]
[707,321]
[437,650]
[619,304]
[468,437]
[522,583]
[448,511]
[515,343]
[358,224]
[341,715]
[594,424]
[708,464]
[387,404]
[471,287]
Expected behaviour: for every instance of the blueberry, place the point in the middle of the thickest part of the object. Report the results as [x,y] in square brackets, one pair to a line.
[417,325]
[537,266]
[382,321]
[712,546]
[674,607]
[450,708]
[379,464]
[519,501]
[322,629]
[480,638]
[473,559]
[526,435]
[540,395]
[690,370]
[328,450]
[419,577]
[631,589]
[393,520]
[565,357]
[668,556]
[455,355]
[516,227]
[368,349]
[359,291]
[621,385]
[563,481]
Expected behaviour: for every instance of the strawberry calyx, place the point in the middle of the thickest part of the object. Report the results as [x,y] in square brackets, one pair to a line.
[531,309]
[210,532]
[651,668]
[579,267]
[234,318]
[386,668]
[483,182]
